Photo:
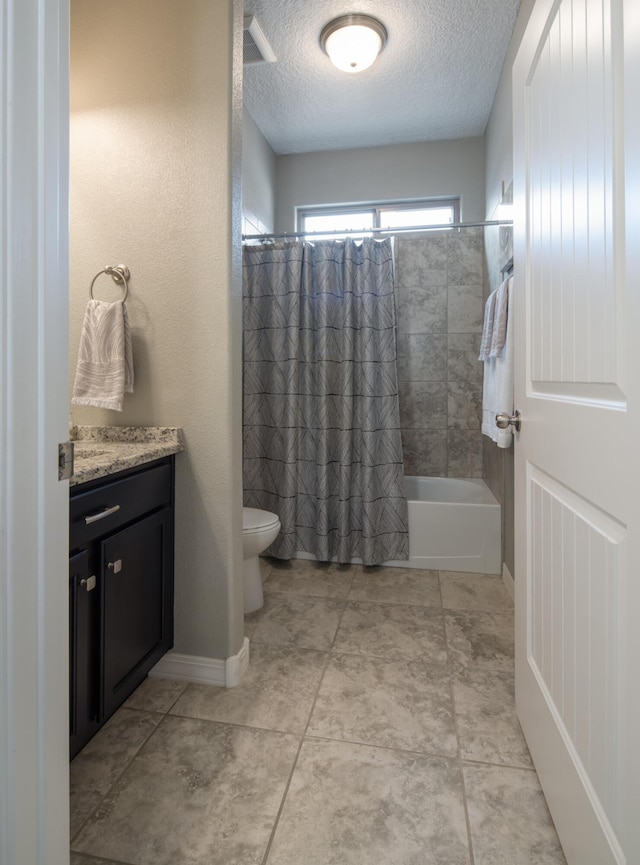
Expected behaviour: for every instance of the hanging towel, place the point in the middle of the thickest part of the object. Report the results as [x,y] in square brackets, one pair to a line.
[499,335]
[487,327]
[494,330]
[497,389]
[105,361]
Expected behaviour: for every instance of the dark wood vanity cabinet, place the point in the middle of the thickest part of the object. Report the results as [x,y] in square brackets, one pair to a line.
[120,589]
[83,721]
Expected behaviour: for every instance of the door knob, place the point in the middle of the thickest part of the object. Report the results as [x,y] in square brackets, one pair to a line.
[504,421]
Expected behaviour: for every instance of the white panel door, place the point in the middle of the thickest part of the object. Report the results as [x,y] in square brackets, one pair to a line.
[576,172]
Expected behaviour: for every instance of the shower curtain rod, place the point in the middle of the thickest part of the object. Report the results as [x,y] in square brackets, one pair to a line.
[360,231]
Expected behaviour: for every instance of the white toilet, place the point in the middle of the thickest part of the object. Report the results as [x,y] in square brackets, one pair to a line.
[259,530]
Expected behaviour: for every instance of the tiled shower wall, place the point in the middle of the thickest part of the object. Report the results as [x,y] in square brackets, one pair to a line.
[497,463]
[439,283]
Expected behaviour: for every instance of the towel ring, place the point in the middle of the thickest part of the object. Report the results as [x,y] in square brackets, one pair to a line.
[120,275]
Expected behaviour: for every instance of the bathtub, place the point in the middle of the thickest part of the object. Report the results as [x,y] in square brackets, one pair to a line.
[454,525]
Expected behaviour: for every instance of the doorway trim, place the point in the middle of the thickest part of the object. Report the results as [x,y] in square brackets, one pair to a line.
[34,157]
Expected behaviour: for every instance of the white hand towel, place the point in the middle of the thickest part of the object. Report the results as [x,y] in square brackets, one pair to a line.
[494,328]
[499,335]
[497,390]
[487,327]
[105,360]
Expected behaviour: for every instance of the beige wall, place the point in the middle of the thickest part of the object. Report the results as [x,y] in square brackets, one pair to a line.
[390,173]
[155,184]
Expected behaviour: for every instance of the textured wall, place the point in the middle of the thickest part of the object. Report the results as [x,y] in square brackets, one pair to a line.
[439,281]
[258,179]
[393,173]
[155,184]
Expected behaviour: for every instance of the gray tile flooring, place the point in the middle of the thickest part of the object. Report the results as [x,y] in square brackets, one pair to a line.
[375,726]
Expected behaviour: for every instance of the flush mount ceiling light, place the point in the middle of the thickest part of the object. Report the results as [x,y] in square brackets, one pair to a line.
[353,41]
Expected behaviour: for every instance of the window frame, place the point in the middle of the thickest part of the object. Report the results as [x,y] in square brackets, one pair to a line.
[377,210]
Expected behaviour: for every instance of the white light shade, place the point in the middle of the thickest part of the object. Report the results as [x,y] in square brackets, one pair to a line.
[353,41]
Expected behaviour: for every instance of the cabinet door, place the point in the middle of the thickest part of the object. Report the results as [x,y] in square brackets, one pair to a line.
[136,605]
[82,653]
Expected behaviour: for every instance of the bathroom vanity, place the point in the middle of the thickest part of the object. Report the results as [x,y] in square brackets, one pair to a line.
[121,519]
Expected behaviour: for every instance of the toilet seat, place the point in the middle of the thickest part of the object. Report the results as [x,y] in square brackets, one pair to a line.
[256,520]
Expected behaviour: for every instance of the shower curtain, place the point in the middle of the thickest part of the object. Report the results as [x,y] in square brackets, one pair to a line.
[322,444]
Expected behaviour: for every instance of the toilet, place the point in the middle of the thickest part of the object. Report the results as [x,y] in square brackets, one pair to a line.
[259,530]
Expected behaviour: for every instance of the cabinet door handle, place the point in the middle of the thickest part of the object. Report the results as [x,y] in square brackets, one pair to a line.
[89,583]
[116,566]
[93,518]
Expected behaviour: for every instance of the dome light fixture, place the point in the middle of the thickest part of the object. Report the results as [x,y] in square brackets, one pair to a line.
[353,41]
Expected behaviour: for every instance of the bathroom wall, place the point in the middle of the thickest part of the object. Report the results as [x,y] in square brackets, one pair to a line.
[258,179]
[498,465]
[391,173]
[439,283]
[156,119]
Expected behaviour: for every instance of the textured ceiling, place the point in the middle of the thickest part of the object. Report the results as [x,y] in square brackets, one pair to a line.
[435,79]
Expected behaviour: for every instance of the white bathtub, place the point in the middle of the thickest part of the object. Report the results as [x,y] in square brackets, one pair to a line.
[454,525]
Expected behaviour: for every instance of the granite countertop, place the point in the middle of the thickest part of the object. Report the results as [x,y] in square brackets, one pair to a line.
[102,451]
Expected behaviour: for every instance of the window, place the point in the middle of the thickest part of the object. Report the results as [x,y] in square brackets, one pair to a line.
[381,216]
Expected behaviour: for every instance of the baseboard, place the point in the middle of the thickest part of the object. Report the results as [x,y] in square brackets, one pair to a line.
[203,671]
[236,666]
[509,582]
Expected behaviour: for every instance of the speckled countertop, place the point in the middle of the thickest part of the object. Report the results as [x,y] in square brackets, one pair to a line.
[100,451]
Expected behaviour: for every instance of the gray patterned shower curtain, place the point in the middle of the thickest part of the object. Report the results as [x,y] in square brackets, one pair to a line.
[322,444]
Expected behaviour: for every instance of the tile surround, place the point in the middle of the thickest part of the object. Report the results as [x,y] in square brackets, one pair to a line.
[420,263]
[422,309]
[343,756]
[425,452]
[422,357]
[464,405]
[465,307]
[464,256]
[462,357]
[423,404]
[464,448]
[440,282]
[497,465]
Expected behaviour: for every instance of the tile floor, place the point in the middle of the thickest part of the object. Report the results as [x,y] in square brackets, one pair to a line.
[375,726]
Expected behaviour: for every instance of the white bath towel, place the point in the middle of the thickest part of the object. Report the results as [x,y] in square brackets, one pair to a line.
[105,360]
[497,390]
